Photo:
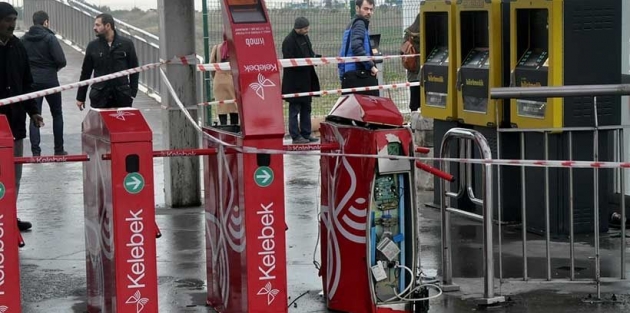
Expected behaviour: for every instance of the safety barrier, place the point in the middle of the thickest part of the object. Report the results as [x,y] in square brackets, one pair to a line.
[465,138]
[618,164]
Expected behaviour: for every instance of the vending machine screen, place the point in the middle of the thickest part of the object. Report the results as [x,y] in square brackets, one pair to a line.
[246,11]
[438,55]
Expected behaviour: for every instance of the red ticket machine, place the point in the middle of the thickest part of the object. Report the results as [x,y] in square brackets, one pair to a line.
[9,258]
[119,212]
[245,242]
[368,216]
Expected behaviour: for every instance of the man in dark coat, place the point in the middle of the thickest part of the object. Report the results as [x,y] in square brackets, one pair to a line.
[109,53]
[47,58]
[15,79]
[299,79]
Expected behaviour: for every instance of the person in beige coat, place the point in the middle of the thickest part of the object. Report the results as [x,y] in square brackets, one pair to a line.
[223,85]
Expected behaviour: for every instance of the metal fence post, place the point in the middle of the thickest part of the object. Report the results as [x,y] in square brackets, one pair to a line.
[467,137]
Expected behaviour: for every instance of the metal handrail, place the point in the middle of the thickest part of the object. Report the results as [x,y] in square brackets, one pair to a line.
[73,21]
[560,91]
[118,22]
[467,137]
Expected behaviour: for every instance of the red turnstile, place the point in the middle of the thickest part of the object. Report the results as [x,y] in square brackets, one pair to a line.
[119,212]
[368,216]
[10,300]
[245,228]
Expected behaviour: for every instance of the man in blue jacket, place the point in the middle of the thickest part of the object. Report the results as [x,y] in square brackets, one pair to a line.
[356,42]
[15,80]
[46,58]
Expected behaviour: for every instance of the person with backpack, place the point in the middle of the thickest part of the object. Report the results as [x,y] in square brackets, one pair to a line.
[356,42]
[411,46]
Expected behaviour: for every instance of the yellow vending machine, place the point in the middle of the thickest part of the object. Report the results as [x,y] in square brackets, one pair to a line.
[479,57]
[437,78]
[437,67]
[482,57]
[561,43]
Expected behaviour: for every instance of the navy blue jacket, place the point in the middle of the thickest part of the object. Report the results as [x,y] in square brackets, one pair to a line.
[45,55]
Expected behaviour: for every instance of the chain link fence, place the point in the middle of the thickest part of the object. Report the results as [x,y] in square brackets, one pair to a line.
[328,19]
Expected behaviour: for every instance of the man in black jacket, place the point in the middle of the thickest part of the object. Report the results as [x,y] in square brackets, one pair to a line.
[107,54]
[47,58]
[15,79]
[299,79]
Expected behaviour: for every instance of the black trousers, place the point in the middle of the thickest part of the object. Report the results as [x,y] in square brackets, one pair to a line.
[359,78]
[414,98]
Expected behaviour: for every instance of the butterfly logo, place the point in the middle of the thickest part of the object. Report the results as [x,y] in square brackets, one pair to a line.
[260,85]
[120,115]
[270,292]
[138,300]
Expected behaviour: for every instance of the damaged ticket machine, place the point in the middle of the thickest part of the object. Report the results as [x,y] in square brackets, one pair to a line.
[245,228]
[368,221]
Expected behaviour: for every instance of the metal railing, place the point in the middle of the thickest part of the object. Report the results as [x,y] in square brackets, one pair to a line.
[466,138]
[618,154]
[74,21]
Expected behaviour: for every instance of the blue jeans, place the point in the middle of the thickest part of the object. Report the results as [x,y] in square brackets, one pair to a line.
[54,102]
[302,108]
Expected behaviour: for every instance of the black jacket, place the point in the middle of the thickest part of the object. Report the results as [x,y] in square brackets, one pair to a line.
[18,81]
[45,55]
[302,78]
[103,60]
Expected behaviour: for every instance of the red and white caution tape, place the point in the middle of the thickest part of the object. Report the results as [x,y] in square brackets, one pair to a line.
[225,66]
[38,94]
[503,162]
[329,92]
[350,90]
[217,102]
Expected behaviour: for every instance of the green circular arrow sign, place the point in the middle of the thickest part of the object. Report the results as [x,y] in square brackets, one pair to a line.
[2,190]
[263,176]
[134,183]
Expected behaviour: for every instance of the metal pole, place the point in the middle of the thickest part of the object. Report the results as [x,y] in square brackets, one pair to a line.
[206,56]
[547,228]
[487,226]
[571,204]
[596,198]
[353,10]
[499,207]
[447,278]
[559,91]
[523,208]
[622,186]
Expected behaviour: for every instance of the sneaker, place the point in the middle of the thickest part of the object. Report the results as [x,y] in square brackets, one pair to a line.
[24,225]
[313,139]
[300,140]
[62,152]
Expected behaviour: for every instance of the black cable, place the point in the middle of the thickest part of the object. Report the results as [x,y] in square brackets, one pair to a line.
[296,299]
